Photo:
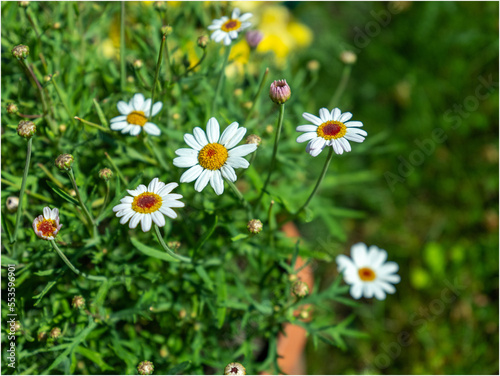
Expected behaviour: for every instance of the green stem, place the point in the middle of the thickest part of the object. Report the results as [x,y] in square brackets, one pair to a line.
[62,101]
[275,149]
[70,265]
[198,63]
[122,47]
[320,179]
[23,187]
[220,80]
[237,192]
[257,95]
[157,72]
[168,250]
[113,164]
[100,127]
[85,210]
[106,197]
[344,79]
[27,191]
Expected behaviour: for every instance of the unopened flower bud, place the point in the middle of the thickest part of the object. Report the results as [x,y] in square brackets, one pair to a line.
[166,30]
[348,57]
[105,174]
[64,162]
[292,277]
[235,369]
[42,336]
[304,315]
[137,64]
[254,226]
[182,313]
[203,41]
[23,4]
[62,128]
[269,128]
[279,91]
[55,333]
[17,326]
[254,37]
[56,25]
[159,5]
[12,108]
[300,289]
[130,79]
[12,203]
[238,92]
[174,245]
[313,65]
[21,51]
[78,302]
[176,116]
[253,139]
[248,105]
[145,367]
[47,78]
[26,129]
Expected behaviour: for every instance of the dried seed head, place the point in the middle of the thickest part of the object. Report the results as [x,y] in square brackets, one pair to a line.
[280,92]
[20,51]
[203,41]
[26,129]
[145,367]
[64,162]
[12,203]
[17,326]
[105,174]
[235,369]
[300,289]
[174,245]
[313,65]
[137,64]
[254,37]
[78,302]
[42,336]
[12,108]
[253,139]
[55,333]
[348,57]
[254,226]
[23,4]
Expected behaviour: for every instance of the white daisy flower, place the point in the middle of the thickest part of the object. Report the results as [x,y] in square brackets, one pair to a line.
[368,273]
[134,116]
[149,204]
[47,226]
[330,129]
[213,156]
[226,29]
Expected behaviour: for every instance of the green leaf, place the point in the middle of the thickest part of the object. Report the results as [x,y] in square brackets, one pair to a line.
[102,118]
[207,234]
[239,237]
[61,193]
[180,368]
[94,357]
[151,252]
[221,296]
[204,276]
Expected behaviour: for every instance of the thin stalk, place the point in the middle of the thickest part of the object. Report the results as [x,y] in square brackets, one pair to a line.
[320,179]
[344,79]
[70,265]
[120,175]
[257,95]
[106,197]
[28,192]
[62,101]
[141,77]
[275,149]
[90,219]
[270,224]
[252,158]
[122,47]
[167,249]
[157,72]
[29,116]
[198,63]
[238,193]
[220,80]
[51,177]
[23,187]
[100,127]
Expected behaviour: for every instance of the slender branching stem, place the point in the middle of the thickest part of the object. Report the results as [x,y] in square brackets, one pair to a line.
[123,73]
[344,79]
[157,72]
[257,95]
[90,219]
[167,249]
[220,80]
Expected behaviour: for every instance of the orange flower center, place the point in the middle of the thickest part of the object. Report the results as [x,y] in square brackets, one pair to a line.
[331,129]
[137,118]
[366,274]
[146,202]
[47,227]
[231,25]
[212,156]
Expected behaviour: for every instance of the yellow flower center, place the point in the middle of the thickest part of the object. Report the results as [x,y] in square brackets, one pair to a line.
[146,202]
[331,129]
[231,25]
[366,274]
[137,118]
[47,227]
[212,156]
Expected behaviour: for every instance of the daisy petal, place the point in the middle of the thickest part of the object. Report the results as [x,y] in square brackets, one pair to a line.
[123,108]
[335,114]
[228,173]
[306,137]
[191,141]
[228,133]
[324,114]
[356,290]
[216,182]
[213,130]
[168,212]
[245,16]
[152,129]
[358,253]
[184,162]
[158,218]
[313,119]
[134,221]
[306,128]
[192,174]
[146,222]
[118,118]
[202,180]
[237,162]
[353,124]
[235,140]
[138,101]
[200,136]
[186,152]
[242,150]
[345,116]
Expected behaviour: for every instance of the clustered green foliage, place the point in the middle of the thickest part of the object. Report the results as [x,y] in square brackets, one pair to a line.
[440,224]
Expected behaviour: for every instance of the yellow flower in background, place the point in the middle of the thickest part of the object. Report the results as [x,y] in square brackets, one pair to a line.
[238,58]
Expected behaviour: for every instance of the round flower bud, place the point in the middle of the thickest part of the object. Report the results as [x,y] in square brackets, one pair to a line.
[248,105]
[254,37]
[300,289]
[238,92]
[78,302]
[42,336]
[12,203]
[280,92]
[166,30]
[23,4]
[21,51]
[313,65]
[62,128]
[137,64]
[12,108]
[130,79]
[292,277]
[26,129]
[304,315]
[64,162]
[182,313]
[159,5]
[145,367]
[174,245]
[105,174]
[235,369]
[17,326]
[348,57]
[55,333]
[56,25]
[253,139]
[203,41]
[47,78]
[254,226]
[176,116]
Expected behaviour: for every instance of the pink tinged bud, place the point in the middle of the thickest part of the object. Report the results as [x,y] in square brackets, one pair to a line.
[254,37]
[280,92]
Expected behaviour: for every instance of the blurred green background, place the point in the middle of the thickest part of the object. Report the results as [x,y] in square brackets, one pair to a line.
[423,186]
